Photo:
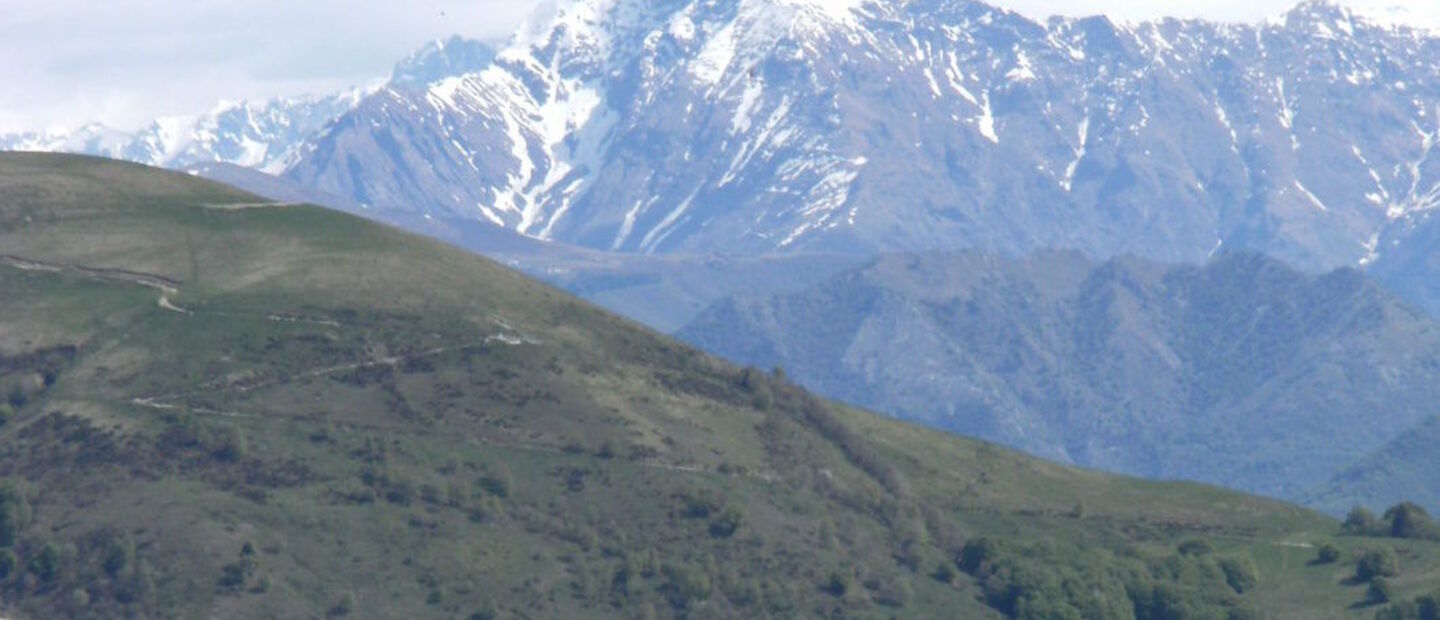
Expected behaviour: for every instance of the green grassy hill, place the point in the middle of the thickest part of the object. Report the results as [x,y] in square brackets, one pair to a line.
[228,410]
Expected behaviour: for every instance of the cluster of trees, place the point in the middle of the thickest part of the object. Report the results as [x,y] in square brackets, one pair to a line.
[383,478]
[1053,582]
[725,518]
[108,577]
[1405,520]
[1374,566]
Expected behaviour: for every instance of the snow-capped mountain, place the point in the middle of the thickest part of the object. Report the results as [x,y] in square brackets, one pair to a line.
[442,59]
[753,126]
[266,135]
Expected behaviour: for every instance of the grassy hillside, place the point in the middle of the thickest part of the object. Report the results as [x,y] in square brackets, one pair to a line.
[229,410]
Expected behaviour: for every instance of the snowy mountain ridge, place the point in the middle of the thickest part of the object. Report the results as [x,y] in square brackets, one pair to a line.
[755,126]
[264,135]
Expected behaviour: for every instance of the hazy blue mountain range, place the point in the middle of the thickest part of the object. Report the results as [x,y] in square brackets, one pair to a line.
[1244,372]
[1408,467]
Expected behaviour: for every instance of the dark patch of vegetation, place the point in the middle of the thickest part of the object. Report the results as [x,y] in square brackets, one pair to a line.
[1426,607]
[1055,581]
[1406,520]
[1328,553]
[1378,562]
[1381,591]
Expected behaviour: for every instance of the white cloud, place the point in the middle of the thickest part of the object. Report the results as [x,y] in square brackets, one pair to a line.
[1425,12]
[64,62]
[122,62]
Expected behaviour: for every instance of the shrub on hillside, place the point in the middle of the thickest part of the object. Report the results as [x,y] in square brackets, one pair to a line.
[1424,608]
[1196,547]
[1240,572]
[9,562]
[14,513]
[1381,591]
[1379,562]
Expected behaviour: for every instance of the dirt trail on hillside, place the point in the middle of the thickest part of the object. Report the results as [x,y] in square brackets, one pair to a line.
[237,206]
[167,287]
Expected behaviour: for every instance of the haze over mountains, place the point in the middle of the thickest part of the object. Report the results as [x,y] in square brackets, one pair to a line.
[1239,373]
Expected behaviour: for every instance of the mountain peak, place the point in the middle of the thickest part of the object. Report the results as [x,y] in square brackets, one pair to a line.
[1323,17]
[1332,16]
[440,59]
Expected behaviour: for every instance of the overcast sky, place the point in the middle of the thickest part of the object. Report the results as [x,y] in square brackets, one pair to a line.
[123,62]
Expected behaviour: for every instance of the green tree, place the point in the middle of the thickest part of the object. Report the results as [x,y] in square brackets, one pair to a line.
[17,398]
[1361,522]
[1240,573]
[945,572]
[45,566]
[1378,562]
[838,582]
[686,586]
[497,481]
[893,591]
[1428,606]
[1196,547]
[344,605]
[1327,554]
[119,554]
[976,553]
[9,562]
[230,444]
[1381,591]
[1407,520]
[725,525]
[14,513]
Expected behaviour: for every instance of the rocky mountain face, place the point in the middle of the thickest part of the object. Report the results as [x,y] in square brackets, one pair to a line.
[1239,373]
[757,126]
[267,135]
[442,59]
